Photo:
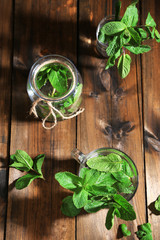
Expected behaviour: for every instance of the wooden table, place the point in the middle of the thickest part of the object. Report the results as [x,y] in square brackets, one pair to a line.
[124,114]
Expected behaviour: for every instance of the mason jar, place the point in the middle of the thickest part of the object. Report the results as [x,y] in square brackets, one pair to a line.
[65,103]
[82,159]
[101,47]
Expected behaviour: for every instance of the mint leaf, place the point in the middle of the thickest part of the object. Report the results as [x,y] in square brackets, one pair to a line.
[18,165]
[26,180]
[80,198]
[111,60]
[112,163]
[125,230]
[112,28]
[105,179]
[23,158]
[138,49]
[126,169]
[157,35]
[124,65]
[58,80]
[113,46]
[94,206]
[144,232]
[82,172]
[151,32]
[126,211]
[121,177]
[117,10]
[157,204]
[68,208]
[110,217]
[101,190]
[150,21]
[130,17]
[135,37]
[124,187]
[68,180]
[90,177]
[37,164]
[142,33]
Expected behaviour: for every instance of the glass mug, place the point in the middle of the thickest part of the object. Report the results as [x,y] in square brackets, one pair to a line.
[82,159]
[63,103]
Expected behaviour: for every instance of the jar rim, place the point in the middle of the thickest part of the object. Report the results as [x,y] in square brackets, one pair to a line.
[53,58]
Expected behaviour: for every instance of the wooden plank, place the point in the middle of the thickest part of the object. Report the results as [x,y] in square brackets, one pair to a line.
[110,103]
[5,97]
[34,213]
[151,102]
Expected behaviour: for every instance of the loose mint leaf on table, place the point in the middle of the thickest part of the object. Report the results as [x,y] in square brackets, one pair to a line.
[144,232]
[123,66]
[80,198]
[23,159]
[26,180]
[68,208]
[157,204]
[112,163]
[58,80]
[126,211]
[113,27]
[68,180]
[138,49]
[37,163]
[150,21]
[130,17]
[125,230]
[18,165]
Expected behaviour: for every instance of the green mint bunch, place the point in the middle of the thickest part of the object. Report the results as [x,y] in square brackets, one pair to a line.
[23,162]
[126,34]
[95,189]
[144,232]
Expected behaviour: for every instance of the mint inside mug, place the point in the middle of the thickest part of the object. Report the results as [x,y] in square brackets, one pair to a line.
[115,166]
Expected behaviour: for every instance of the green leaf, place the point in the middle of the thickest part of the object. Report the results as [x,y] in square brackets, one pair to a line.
[37,163]
[126,211]
[144,232]
[68,102]
[124,187]
[58,80]
[113,27]
[40,82]
[26,180]
[22,157]
[113,46]
[110,217]
[68,180]
[142,33]
[151,32]
[138,49]
[83,172]
[111,60]
[91,176]
[105,179]
[135,37]
[117,10]
[125,230]
[18,165]
[124,37]
[157,204]
[130,17]
[112,163]
[121,177]
[124,65]
[101,190]
[68,208]
[157,35]
[94,206]
[127,169]
[80,198]
[150,21]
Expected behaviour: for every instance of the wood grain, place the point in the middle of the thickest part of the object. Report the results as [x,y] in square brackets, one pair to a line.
[151,103]
[5,98]
[112,104]
[41,27]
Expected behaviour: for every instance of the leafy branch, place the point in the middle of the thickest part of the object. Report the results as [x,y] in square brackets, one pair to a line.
[124,34]
[23,162]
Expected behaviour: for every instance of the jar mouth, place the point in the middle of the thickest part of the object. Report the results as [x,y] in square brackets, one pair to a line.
[50,59]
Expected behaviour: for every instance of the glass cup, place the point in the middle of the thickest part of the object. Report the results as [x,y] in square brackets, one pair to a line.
[67,104]
[101,47]
[82,159]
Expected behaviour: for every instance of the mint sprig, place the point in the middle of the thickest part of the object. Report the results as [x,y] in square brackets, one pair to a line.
[23,162]
[157,204]
[144,232]
[124,34]
[95,189]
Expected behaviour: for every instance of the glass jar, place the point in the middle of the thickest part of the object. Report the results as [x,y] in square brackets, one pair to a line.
[101,47]
[66,103]
[82,159]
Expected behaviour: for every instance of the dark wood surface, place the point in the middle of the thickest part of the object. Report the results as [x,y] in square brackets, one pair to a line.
[31,29]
